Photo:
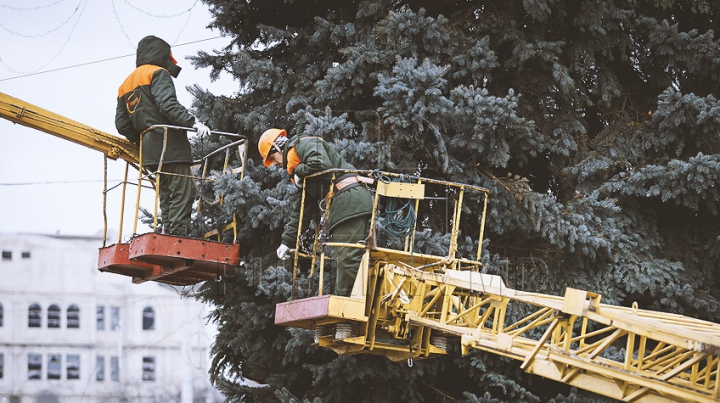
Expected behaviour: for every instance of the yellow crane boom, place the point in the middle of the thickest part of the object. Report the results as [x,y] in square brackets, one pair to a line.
[26,114]
[408,305]
[570,339]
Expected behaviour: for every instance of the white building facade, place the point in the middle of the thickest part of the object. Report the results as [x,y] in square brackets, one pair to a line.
[71,334]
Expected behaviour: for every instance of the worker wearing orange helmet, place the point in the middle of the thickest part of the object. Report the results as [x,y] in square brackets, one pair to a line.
[351,206]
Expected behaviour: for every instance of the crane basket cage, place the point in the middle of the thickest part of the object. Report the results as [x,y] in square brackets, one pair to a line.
[406,210]
[171,259]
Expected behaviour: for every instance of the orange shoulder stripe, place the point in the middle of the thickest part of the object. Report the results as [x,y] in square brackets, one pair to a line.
[141,76]
[293,160]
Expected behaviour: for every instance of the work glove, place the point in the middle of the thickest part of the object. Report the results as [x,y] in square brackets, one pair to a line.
[202,130]
[282,251]
[298,181]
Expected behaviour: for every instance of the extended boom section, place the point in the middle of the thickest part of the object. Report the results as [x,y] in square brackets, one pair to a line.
[27,114]
[628,354]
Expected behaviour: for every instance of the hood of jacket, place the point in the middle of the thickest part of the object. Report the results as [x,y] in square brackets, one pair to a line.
[155,51]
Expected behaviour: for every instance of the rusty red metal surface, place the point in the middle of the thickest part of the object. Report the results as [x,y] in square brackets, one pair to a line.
[115,259]
[175,252]
[169,259]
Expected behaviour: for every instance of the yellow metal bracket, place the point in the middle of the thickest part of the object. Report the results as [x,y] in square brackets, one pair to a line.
[401,190]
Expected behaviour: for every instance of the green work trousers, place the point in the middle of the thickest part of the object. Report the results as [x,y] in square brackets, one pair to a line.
[353,230]
[176,198]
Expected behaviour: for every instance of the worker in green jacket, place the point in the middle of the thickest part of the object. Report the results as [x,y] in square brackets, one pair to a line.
[350,207]
[147,98]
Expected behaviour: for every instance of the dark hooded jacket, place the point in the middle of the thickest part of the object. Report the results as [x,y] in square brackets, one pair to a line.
[146,98]
[317,155]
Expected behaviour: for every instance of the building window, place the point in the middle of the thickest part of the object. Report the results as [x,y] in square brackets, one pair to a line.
[73,367]
[34,316]
[54,369]
[34,366]
[100,368]
[148,369]
[53,316]
[2,365]
[6,255]
[114,369]
[25,255]
[1,315]
[114,317]
[73,317]
[101,318]
[148,319]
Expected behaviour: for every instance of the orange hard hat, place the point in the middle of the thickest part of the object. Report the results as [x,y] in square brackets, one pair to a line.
[266,143]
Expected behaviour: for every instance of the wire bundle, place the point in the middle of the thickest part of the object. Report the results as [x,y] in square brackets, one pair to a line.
[399,214]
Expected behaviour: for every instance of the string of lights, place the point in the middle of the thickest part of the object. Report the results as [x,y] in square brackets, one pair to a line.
[159,15]
[48,32]
[122,27]
[67,40]
[187,20]
[79,11]
[81,7]
[5,6]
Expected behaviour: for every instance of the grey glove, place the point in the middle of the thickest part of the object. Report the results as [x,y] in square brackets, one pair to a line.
[298,181]
[201,129]
[282,251]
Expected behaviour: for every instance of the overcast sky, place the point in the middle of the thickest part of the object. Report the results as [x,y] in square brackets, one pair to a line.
[49,185]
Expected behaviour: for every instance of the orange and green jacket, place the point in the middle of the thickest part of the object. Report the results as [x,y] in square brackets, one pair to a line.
[146,98]
[306,155]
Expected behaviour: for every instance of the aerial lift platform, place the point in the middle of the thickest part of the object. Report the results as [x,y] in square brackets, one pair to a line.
[151,256]
[407,305]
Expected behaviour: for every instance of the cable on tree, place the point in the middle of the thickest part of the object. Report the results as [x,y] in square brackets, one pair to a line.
[399,213]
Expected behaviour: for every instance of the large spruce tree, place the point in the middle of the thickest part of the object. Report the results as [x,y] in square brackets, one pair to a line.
[595,123]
